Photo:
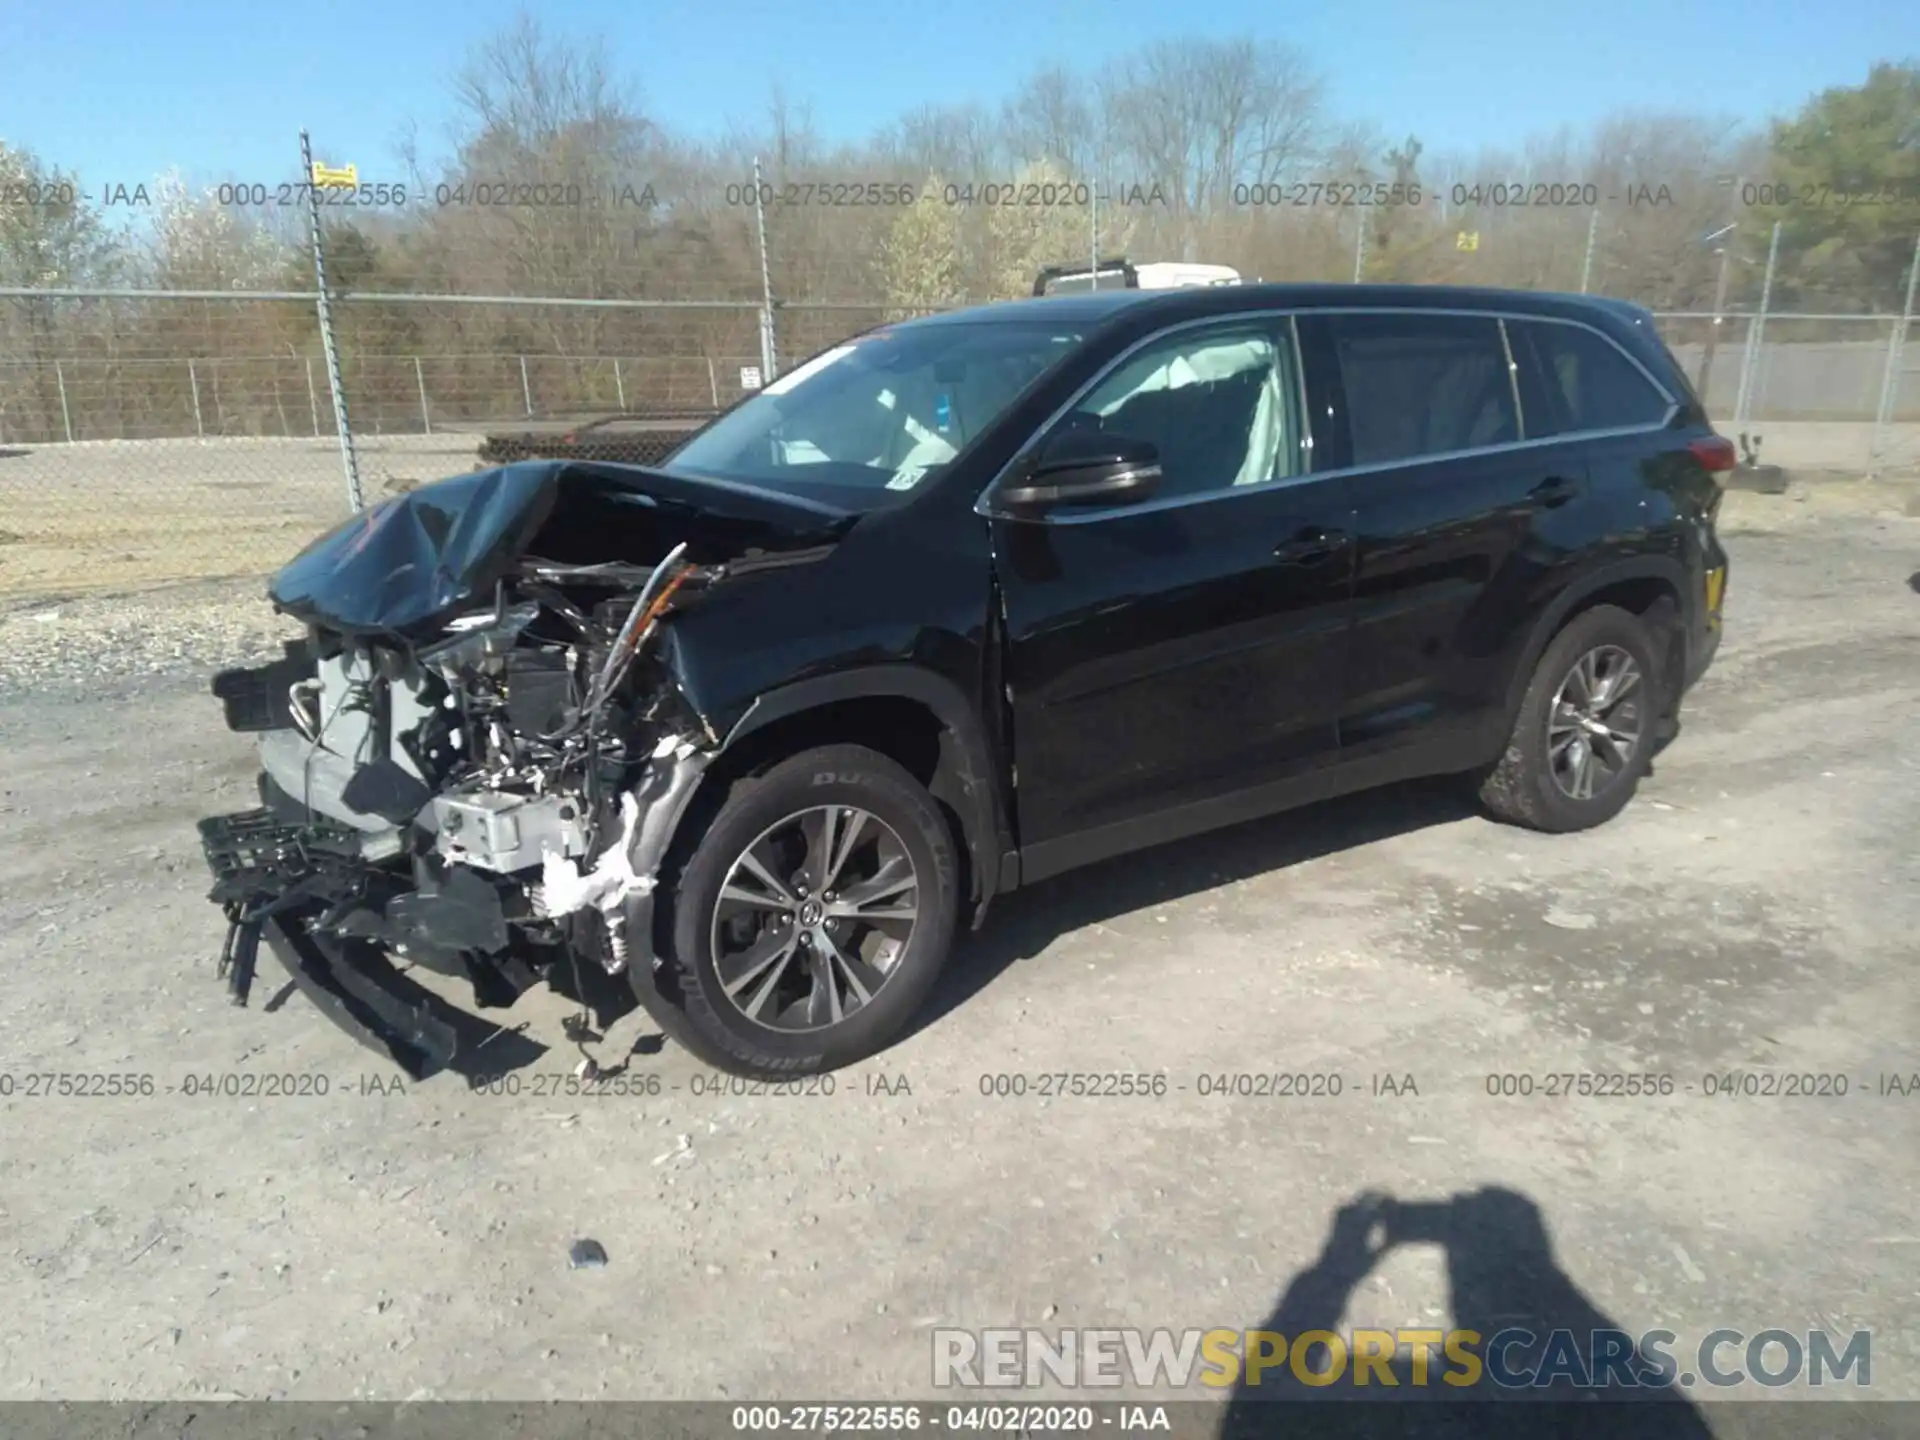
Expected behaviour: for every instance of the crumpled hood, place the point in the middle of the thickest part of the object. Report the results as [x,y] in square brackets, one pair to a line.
[411,562]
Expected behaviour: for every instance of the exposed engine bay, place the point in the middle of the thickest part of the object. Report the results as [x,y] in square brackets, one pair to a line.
[472,762]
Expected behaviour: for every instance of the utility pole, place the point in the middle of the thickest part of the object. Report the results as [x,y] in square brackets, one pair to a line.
[1719,313]
[769,349]
[336,386]
[1725,236]
[1754,355]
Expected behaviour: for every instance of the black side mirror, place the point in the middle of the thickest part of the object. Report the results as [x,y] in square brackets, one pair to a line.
[1084,467]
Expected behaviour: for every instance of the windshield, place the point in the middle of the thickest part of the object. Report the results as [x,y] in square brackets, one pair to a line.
[874,418]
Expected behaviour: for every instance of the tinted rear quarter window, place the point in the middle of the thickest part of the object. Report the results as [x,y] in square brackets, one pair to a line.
[1576,380]
[1423,384]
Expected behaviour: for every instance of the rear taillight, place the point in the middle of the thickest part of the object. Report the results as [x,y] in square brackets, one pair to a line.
[1716,453]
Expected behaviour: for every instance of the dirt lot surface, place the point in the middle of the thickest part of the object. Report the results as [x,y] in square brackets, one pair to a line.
[1753,913]
[109,514]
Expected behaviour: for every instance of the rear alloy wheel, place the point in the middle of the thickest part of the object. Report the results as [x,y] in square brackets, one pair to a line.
[1594,724]
[1584,734]
[814,915]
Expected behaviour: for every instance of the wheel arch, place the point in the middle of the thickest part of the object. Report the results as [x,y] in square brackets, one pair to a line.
[1653,587]
[915,716]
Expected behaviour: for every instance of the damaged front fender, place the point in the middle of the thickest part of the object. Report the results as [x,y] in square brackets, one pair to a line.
[621,883]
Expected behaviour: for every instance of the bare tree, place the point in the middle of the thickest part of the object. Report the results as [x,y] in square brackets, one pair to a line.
[1202,116]
[1053,117]
[958,141]
[525,94]
[1665,182]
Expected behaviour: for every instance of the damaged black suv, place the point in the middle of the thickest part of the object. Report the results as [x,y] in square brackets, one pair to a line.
[950,608]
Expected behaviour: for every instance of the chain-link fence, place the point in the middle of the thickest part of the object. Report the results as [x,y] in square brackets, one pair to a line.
[1833,393]
[165,437]
[156,434]
[1829,368]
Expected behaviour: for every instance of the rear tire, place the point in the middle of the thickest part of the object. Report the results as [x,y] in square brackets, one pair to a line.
[772,980]
[1568,764]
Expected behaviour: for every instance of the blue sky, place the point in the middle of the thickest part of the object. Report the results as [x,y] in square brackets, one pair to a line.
[122,89]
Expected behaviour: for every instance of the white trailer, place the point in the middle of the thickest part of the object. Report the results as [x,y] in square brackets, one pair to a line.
[1123,274]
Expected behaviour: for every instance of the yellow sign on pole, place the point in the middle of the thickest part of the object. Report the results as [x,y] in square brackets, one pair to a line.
[344,177]
[1467,240]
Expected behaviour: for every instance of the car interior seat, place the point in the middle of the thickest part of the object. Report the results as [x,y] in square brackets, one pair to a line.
[1204,431]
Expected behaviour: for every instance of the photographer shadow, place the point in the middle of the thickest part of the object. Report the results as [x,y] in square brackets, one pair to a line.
[1503,1277]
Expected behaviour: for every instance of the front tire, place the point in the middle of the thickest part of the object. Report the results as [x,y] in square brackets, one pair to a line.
[1586,728]
[813,917]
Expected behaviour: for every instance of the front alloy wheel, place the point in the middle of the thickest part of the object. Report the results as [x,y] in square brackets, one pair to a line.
[813,917]
[808,924]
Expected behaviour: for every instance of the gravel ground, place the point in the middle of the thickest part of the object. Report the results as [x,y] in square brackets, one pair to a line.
[1754,911]
[80,641]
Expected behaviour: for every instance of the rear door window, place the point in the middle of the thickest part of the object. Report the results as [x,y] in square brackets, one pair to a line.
[1575,380]
[1419,385]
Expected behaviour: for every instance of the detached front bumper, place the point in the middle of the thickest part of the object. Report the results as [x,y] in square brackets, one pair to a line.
[332,917]
[269,876]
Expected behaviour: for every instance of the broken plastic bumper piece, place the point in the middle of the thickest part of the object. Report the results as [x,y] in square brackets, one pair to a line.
[264,870]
